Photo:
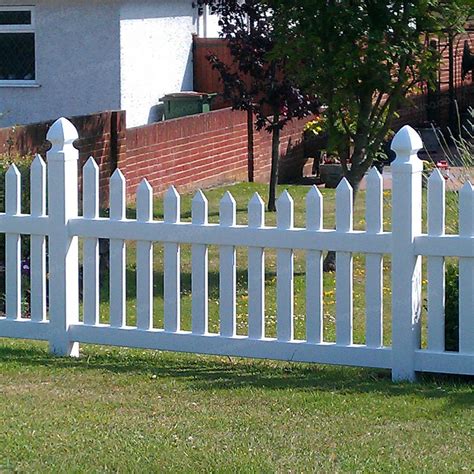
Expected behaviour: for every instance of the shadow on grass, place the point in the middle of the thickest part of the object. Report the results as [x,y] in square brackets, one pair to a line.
[223,373]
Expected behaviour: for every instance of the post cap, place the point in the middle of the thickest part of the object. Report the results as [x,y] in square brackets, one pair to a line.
[62,134]
[407,142]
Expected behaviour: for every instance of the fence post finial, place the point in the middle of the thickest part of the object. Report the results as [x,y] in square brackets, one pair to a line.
[406,143]
[406,265]
[61,135]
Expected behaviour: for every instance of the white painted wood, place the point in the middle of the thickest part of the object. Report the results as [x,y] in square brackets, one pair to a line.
[63,255]
[436,267]
[314,270]
[444,362]
[344,277]
[374,262]
[227,272]
[285,304]
[25,329]
[172,279]
[199,272]
[13,245]
[117,252]
[38,242]
[144,259]
[407,244]
[466,272]
[91,284]
[256,272]
[406,264]
[240,235]
[240,346]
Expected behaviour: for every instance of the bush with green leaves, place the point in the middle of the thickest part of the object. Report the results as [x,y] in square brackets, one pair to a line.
[451,327]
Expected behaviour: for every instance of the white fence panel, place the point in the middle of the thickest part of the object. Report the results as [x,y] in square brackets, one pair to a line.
[405,244]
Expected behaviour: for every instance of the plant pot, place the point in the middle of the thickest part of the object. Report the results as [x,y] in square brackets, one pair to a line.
[331,174]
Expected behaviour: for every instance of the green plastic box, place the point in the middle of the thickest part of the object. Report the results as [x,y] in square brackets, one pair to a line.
[181,104]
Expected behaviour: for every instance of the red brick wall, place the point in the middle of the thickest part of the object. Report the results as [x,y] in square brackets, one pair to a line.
[101,136]
[189,152]
[203,150]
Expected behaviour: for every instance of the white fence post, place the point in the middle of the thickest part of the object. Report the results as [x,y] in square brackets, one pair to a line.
[63,249]
[406,266]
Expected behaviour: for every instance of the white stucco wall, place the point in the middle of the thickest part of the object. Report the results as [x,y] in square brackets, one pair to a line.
[77,62]
[156,54]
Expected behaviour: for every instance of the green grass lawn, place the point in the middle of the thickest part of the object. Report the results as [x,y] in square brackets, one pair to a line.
[124,410]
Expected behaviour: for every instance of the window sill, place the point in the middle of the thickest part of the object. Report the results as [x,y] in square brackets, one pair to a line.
[23,84]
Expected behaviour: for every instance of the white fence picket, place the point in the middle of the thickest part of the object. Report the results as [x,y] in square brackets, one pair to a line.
[144,260]
[117,252]
[256,272]
[38,242]
[314,270]
[285,272]
[199,276]
[466,272]
[91,283]
[13,244]
[374,262]
[344,277]
[172,280]
[436,267]
[227,272]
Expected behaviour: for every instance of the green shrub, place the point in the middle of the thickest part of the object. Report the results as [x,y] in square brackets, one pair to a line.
[451,327]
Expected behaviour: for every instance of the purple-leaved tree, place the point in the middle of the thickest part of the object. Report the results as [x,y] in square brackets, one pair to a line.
[254,82]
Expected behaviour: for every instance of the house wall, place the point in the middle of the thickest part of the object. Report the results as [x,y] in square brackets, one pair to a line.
[156,55]
[78,62]
[95,55]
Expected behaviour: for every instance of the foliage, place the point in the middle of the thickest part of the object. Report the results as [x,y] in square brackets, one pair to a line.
[256,81]
[451,311]
[362,58]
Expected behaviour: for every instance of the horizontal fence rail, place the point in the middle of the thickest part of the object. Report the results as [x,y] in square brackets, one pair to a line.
[56,292]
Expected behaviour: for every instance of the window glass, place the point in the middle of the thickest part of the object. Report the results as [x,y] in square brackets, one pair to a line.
[17,56]
[17,17]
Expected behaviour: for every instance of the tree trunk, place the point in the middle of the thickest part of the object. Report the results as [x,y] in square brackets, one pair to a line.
[274,168]
[354,176]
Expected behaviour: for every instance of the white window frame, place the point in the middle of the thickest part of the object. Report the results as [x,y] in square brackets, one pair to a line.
[20,29]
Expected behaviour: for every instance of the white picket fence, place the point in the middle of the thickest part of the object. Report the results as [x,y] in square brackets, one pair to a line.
[60,325]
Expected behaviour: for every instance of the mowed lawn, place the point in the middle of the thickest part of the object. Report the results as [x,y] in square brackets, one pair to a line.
[125,410]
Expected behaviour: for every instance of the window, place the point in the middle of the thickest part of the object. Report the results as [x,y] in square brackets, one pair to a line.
[17,45]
